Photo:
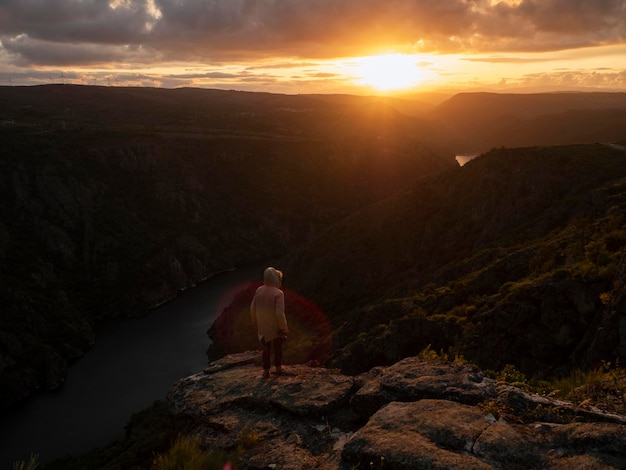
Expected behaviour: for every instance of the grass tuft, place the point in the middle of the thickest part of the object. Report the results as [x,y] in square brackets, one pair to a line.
[32,464]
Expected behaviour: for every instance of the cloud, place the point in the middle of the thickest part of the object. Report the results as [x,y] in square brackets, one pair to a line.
[283,65]
[84,21]
[508,59]
[573,79]
[28,51]
[211,75]
[323,75]
[600,17]
[218,30]
[283,44]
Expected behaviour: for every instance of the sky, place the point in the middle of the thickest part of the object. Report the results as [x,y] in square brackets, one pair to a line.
[317,46]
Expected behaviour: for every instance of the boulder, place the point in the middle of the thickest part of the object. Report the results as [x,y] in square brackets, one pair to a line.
[413,379]
[422,434]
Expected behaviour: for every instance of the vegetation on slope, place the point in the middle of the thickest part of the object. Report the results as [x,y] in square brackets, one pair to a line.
[516,258]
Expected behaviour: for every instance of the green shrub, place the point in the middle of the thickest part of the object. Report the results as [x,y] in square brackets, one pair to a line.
[593,385]
[460,311]
[30,465]
[185,453]
[508,374]
[430,355]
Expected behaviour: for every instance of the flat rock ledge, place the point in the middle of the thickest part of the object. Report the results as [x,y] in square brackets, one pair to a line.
[415,414]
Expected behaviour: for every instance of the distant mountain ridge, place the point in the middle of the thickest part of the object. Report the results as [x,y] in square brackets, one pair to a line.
[477,122]
[465,123]
[492,105]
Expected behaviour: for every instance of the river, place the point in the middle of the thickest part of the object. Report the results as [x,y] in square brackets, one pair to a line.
[133,363]
[463,159]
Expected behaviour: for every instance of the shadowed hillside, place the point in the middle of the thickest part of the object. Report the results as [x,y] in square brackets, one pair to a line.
[113,200]
[515,258]
[477,122]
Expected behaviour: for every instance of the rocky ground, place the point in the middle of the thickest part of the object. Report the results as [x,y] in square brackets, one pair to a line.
[415,414]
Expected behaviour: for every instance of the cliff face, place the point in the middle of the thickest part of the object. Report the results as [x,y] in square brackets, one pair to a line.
[412,414]
[113,200]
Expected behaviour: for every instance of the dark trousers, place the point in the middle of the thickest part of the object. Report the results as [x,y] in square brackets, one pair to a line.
[267,351]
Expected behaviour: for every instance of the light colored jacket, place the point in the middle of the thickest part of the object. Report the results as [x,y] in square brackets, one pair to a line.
[268,307]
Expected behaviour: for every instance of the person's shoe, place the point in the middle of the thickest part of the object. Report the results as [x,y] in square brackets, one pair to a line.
[266,374]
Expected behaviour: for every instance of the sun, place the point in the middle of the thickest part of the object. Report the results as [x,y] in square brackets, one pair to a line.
[388,72]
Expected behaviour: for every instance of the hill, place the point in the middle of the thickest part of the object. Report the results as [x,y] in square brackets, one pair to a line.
[515,258]
[214,112]
[112,200]
[478,122]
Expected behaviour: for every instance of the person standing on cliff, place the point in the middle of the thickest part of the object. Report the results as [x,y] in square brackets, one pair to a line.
[268,317]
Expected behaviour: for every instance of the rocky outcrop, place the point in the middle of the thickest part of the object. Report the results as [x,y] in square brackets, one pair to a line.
[414,414]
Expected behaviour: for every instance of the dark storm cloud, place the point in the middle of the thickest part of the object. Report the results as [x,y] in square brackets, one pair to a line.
[34,31]
[343,27]
[35,51]
[85,21]
[302,27]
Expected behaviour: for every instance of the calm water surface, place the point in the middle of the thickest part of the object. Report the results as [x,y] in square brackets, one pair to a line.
[463,159]
[133,364]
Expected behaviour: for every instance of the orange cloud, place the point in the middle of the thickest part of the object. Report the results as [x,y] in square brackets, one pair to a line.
[227,29]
